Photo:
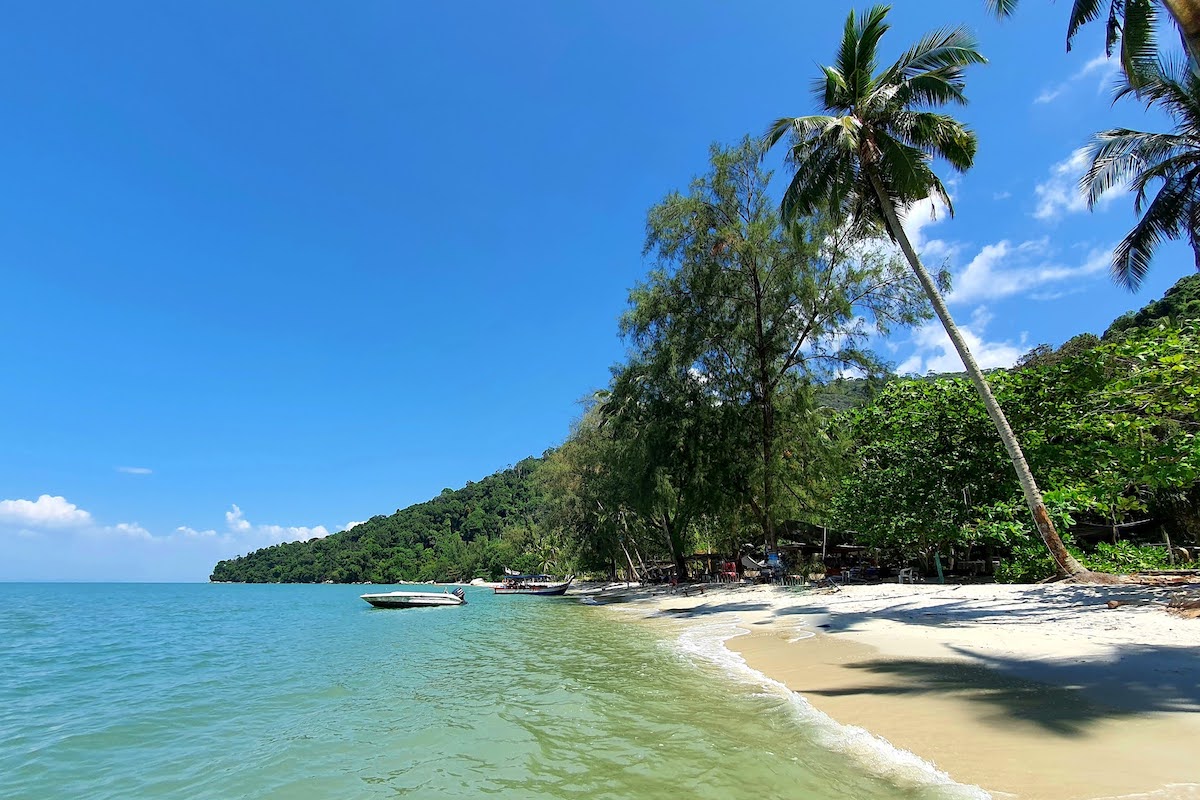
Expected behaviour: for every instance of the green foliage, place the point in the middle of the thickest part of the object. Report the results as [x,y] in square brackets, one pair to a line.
[473,532]
[843,394]
[739,321]
[925,455]
[1046,356]
[1029,562]
[1112,430]
[1180,304]
[1127,557]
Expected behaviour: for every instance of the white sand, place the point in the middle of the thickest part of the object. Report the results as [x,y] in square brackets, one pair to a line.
[1028,691]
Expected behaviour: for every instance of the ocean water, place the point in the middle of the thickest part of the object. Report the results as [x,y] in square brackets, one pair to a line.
[227,691]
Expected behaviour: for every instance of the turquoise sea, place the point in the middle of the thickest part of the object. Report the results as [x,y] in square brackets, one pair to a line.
[228,691]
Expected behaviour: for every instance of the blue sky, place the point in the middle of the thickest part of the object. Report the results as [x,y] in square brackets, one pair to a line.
[274,268]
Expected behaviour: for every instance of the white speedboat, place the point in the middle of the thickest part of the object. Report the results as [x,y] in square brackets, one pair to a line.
[416,599]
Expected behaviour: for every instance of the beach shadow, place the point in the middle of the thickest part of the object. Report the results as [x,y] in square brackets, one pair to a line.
[1058,697]
[716,608]
[1028,604]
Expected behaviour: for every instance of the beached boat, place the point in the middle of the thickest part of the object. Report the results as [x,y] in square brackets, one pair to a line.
[533,584]
[416,599]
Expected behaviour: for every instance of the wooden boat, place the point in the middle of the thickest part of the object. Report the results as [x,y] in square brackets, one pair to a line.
[543,585]
[416,599]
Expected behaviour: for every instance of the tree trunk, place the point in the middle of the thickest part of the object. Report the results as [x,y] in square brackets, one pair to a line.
[768,436]
[1066,563]
[1186,14]
[766,398]
[633,573]
[677,554]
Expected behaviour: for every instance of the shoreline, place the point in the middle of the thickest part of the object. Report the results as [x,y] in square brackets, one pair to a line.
[1031,692]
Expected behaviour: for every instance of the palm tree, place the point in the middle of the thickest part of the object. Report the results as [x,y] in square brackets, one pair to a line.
[1121,156]
[871,155]
[1132,23]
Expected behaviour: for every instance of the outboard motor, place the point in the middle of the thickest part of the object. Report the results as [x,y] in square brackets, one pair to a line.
[460,594]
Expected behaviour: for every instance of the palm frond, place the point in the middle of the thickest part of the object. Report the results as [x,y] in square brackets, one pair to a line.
[801,127]
[937,88]
[1170,83]
[831,89]
[1001,8]
[1139,50]
[1083,12]
[825,171]
[1161,221]
[945,47]
[942,136]
[1166,171]
[904,171]
[878,148]
[1118,155]
[872,24]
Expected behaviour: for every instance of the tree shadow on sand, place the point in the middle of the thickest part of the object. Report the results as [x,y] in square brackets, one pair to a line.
[705,609]
[1057,695]
[1029,605]
[1062,697]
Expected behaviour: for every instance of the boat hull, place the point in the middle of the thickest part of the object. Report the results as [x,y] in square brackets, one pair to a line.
[552,590]
[412,600]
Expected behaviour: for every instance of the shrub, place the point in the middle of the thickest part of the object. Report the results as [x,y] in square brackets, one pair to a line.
[1127,557]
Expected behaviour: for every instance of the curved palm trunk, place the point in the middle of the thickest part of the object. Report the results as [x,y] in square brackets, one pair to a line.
[1066,563]
[1186,14]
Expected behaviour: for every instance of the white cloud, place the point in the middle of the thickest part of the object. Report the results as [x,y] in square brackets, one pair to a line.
[919,216]
[236,520]
[351,525]
[935,352]
[130,529]
[192,533]
[280,533]
[135,470]
[83,549]
[1101,65]
[45,512]
[1060,194]
[238,524]
[1001,195]
[1003,269]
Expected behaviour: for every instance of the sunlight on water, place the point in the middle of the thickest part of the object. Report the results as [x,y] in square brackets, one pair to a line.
[224,691]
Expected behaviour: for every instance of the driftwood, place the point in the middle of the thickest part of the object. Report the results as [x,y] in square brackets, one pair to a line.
[1184,606]
[1172,577]
[1163,577]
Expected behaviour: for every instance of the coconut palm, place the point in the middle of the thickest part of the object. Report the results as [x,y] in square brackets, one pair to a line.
[1123,157]
[870,156]
[1131,23]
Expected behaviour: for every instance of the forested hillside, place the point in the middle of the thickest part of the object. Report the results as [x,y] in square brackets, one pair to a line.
[474,531]
[672,460]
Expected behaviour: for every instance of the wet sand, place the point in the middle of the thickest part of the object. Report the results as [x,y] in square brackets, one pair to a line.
[1038,693]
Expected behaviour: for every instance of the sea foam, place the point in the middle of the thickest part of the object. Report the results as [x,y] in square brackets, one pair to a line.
[707,643]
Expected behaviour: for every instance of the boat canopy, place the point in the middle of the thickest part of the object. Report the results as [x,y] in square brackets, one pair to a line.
[528,578]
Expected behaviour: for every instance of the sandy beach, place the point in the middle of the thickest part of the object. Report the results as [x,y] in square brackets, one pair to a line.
[1031,692]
